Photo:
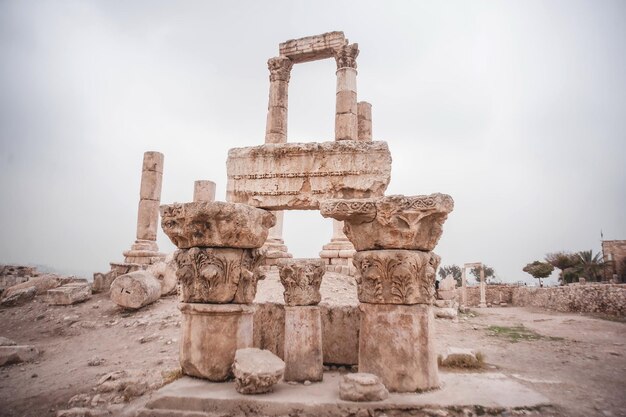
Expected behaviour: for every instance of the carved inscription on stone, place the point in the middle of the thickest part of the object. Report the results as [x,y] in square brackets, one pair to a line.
[216,224]
[392,222]
[301,279]
[283,176]
[396,276]
[218,275]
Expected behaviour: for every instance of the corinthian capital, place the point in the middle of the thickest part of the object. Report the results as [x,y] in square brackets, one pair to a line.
[280,68]
[346,56]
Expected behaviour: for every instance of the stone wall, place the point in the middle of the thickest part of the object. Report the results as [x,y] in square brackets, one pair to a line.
[614,251]
[495,294]
[607,299]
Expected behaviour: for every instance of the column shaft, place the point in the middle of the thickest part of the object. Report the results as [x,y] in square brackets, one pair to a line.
[364,113]
[346,119]
[276,127]
[203,190]
[150,196]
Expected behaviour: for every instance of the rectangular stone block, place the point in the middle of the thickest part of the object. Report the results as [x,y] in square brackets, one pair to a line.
[303,344]
[300,175]
[340,331]
[69,294]
[312,48]
[396,343]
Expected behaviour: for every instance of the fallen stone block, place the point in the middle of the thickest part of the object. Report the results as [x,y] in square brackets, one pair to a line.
[17,354]
[102,282]
[69,294]
[256,371]
[135,290]
[19,296]
[8,281]
[41,283]
[460,358]
[362,387]
[445,313]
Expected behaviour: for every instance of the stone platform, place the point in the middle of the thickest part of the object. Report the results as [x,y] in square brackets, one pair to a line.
[481,391]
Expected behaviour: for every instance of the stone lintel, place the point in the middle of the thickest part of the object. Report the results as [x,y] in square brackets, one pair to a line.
[312,48]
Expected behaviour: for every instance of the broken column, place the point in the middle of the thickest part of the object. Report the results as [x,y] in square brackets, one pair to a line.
[303,357]
[394,237]
[203,190]
[346,119]
[364,115]
[217,267]
[276,125]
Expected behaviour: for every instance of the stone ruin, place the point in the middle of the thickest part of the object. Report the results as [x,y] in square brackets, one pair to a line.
[222,246]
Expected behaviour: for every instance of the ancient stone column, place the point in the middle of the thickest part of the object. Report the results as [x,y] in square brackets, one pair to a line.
[276,127]
[145,250]
[338,253]
[483,298]
[275,245]
[463,289]
[303,353]
[203,190]
[364,114]
[346,119]
[394,237]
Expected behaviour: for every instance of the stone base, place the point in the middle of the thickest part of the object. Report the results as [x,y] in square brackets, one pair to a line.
[275,251]
[396,344]
[482,394]
[143,252]
[303,344]
[338,256]
[211,334]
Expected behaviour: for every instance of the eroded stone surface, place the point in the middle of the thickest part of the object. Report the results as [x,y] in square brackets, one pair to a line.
[301,279]
[216,224]
[69,294]
[312,48]
[165,272]
[218,275]
[362,387]
[392,222]
[396,276]
[396,343]
[211,334]
[256,371]
[135,290]
[299,175]
[303,344]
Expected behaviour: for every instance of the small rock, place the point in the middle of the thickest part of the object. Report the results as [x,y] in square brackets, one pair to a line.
[95,361]
[362,387]
[147,339]
[71,319]
[135,389]
[307,382]
[459,358]
[34,376]
[6,342]
[256,371]
[17,354]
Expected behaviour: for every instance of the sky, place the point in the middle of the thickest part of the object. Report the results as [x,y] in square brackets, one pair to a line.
[516,109]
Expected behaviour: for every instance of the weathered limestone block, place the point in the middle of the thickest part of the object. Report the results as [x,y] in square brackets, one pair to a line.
[41,283]
[216,224]
[256,371]
[300,175]
[397,344]
[102,282]
[447,284]
[459,357]
[303,344]
[211,334]
[135,290]
[218,275]
[446,312]
[69,294]
[362,387]
[392,222]
[8,281]
[396,276]
[312,48]
[165,272]
[19,296]
[302,279]
[340,334]
[17,354]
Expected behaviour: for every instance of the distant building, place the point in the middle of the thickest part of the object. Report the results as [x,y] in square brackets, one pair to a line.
[614,252]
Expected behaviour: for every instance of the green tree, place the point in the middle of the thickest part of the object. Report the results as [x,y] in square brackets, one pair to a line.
[453,270]
[489,272]
[590,266]
[539,270]
[562,261]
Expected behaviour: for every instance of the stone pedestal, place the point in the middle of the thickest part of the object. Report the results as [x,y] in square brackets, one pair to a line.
[211,334]
[303,344]
[396,344]
[275,248]
[337,254]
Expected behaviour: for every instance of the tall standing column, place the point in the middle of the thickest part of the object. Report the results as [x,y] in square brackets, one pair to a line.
[463,289]
[145,250]
[346,119]
[483,298]
[276,127]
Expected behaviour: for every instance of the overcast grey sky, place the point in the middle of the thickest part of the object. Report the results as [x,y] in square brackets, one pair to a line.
[517,109]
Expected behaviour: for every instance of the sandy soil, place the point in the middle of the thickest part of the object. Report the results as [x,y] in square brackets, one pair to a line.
[579,362]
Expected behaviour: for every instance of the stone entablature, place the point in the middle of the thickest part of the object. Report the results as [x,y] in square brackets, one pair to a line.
[313,48]
[299,175]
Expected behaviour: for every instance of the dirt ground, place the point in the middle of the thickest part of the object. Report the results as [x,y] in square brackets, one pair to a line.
[98,356]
